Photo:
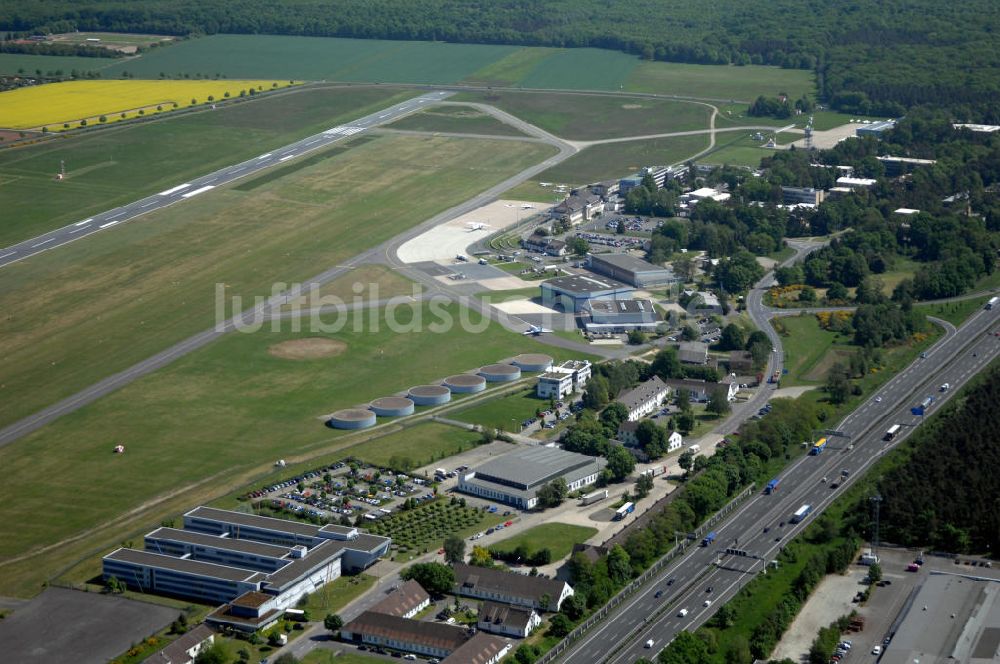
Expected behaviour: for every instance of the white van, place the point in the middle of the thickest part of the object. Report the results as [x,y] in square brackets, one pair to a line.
[682,613]
[649,644]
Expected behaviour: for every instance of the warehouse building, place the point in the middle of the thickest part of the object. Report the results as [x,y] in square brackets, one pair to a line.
[571,293]
[617,316]
[952,618]
[631,270]
[515,478]
[222,555]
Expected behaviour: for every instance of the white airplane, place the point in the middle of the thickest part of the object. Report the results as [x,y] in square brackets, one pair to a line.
[476,226]
[544,184]
[527,206]
[535,330]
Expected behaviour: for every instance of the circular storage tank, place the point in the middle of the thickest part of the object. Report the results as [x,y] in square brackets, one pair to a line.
[392,406]
[465,383]
[500,373]
[429,395]
[533,362]
[352,418]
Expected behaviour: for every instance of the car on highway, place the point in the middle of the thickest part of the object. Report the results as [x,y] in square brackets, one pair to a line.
[682,613]
[670,582]
[708,602]
[878,399]
[877,650]
[649,643]
[709,589]
[659,594]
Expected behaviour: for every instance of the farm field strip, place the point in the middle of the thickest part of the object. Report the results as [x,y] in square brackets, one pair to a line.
[208,182]
[59,106]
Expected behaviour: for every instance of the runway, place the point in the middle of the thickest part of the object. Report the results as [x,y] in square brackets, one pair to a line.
[188,190]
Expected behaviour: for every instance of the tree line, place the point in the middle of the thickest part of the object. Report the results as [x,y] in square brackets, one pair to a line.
[868,56]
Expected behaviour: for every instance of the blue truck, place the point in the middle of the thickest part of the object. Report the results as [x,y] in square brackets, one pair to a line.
[772,486]
[709,538]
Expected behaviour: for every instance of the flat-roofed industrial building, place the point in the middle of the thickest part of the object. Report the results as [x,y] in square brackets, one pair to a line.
[632,270]
[571,293]
[515,478]
[221,555]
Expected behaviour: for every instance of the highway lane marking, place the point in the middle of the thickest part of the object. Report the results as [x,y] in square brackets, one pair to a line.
[85,221]
[146,205]
[42,242]
[8,254]
[383,117]
[200,190]
[174,190]
[110,223]
[77,230]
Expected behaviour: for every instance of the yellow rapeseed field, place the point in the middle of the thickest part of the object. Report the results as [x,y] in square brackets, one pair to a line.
[56,105]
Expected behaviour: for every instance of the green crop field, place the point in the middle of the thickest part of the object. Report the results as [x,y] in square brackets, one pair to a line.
[582,69]
[202,427]
[415,446]
[455,119]
[316,58]
[118,165]
[18,63]
[79,313]
[510,69]
[558,538]
[614,160]
[590,117]
[721,82]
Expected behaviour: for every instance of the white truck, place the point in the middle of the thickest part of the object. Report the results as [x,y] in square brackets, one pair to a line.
[992,302]
[593,497]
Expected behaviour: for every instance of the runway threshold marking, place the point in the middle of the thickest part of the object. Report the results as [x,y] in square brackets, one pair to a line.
[85,221]
[110,223]
[200,190]
[174,190]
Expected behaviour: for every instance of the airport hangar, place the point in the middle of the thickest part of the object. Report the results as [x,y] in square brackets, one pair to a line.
[570,293]
[221,555]
[515,478]
[631,270]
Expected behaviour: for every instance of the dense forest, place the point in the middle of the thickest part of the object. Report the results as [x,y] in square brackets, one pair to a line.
[945,495]
[871,56]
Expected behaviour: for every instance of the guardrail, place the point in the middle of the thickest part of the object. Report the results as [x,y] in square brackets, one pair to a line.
[642,579]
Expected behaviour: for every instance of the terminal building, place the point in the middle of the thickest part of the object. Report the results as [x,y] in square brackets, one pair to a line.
[631,270]
[221,555]
[515,478]
[571,293]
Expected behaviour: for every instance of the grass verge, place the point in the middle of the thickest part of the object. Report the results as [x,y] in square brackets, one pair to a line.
[558,538]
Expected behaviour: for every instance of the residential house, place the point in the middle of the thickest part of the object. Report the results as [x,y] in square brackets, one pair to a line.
[496,585]
[507,620]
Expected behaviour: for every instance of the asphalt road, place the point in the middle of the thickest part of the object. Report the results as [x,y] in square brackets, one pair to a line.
[620,639]
[198,186]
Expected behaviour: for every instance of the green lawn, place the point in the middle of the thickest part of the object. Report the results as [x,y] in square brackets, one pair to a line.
[532,191]
[590,117]
[720,82]
[121,164]
[505,413]
[455,119]
[743,151]
[558,538]
[953,312]
[13,63]
[334,596]
[805,346]
[204,426]
[316,58]
[99,305]
[415,446]
[615,160]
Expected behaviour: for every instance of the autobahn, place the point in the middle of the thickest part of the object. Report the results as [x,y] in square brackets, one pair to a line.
[621,639]
[206,183]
